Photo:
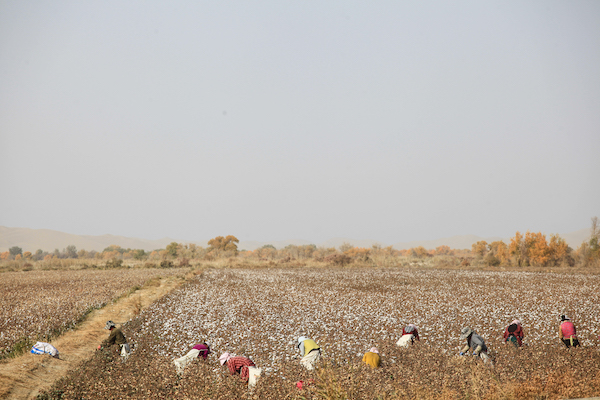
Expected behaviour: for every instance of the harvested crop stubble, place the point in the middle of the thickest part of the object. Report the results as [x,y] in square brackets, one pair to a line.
[260,313]
[39,303]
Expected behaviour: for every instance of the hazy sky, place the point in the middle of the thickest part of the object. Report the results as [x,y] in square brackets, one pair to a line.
[272,120]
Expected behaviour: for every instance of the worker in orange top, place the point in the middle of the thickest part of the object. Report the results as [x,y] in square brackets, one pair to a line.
[371,358]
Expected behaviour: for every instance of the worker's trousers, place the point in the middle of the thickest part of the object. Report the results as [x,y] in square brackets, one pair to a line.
[309,360]
[253,375]
[182,362]
[405,340]
[125,351]
[484,356]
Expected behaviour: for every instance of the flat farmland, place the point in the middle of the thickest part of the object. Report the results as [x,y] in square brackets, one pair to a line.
[259,313]
[36,304]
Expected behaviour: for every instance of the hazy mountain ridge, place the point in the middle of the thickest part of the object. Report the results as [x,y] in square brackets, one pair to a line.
[48,240]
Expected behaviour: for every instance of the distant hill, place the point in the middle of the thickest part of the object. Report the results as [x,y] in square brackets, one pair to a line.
[48,240]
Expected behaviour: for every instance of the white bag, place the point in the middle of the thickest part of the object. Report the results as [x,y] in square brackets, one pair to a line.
[44,348]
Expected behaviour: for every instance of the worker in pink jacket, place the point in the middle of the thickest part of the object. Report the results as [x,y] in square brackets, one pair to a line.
[199,350]
[567,332]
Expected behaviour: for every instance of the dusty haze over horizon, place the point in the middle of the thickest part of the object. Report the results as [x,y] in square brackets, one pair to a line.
[273,121]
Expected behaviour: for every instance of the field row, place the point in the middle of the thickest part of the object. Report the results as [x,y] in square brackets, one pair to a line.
[38,303]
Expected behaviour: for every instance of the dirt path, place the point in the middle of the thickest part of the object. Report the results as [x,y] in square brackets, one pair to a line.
[25,376]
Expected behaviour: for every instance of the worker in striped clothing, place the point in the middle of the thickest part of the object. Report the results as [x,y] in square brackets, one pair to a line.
[243,366]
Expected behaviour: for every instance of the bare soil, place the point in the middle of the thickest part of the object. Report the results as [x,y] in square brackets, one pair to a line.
[25,376]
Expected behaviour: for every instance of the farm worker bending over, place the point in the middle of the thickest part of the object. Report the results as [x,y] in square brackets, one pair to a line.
[201,349]
[116,337]
[44,348]
[475,342]
[243,366]
[409,334]
[310,352]
[372,358]
[514,333]
[567,332]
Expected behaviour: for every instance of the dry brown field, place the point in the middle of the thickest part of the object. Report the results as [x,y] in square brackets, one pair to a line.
[259,313]
[38,305]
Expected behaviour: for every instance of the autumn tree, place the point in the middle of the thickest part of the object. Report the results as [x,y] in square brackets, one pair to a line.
[419,252]
[27,255]
[537,248]
[479,249]
[497,253]
[268,251]
[518,250]
[222,244]
[560,252]
[444,251]
[305,251]
[359,253]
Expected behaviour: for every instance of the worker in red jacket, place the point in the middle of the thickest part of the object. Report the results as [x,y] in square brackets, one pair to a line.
[409,335]
[514,333]
[567,332]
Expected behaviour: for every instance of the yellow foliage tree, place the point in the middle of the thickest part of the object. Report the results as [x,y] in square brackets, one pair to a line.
[559,249]
[537,248]
[359,253]
[499,250]
[479,249]
[419,251]
[518,250]
[224,244]
[444,251]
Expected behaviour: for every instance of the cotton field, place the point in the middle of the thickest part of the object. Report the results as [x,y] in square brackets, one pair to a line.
[259,313]
[38,303]
[348,311]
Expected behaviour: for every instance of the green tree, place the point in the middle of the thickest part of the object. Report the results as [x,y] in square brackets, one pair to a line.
[71,251]
[172,249]
[139,254]
[15,250]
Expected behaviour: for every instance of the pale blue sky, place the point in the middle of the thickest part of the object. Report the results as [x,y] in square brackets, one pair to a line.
[390,121]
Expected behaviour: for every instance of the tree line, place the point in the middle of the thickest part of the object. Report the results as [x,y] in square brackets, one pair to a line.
[529,249]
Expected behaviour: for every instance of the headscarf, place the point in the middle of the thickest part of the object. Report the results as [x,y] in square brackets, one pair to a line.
[224,358]
[465,332]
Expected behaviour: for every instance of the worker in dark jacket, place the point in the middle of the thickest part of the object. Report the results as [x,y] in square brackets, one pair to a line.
[475,342]
[116,337]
